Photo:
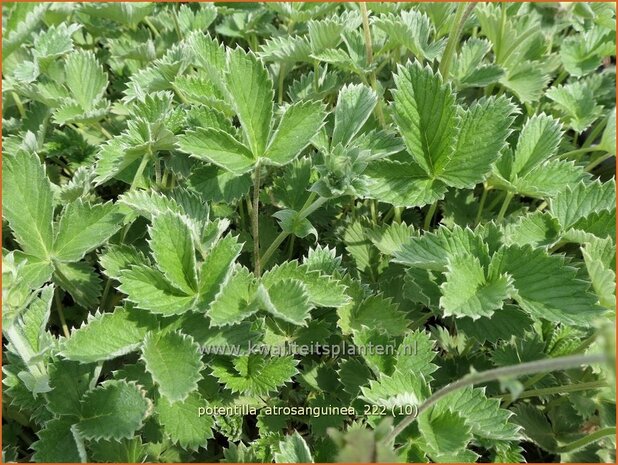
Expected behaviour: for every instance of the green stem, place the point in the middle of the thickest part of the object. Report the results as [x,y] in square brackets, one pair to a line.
[595,132]
[63,321]
[594,163]
[280,86]
[505,206]
[573,153]
[152,27]
[479,212]
[307,210]
[461,15]
[539,366]
[255,223]
[316,75]
[586,440]
[429,215]
[369,52]
[140,169]
[19,104]
[556,390]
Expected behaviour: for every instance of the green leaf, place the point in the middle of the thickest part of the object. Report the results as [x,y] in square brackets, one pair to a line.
[400,389]
[536,427]
[608,141]
[415,354]
[483,130]
[547,286]
[172,247]
[27,202]
[538,229]
[85,78]
[116,258]
[381,313]
[467,290]
[106,336]
[217,268]
[293,449]
[254,374]
[148,289]
[57,442]
[80,280]
[83,227]
[484,416]
[424,111]
[114,410]
[444,432]
[599,256]
[322,290]
[251,91]
[183,424]
[69,382]
[174,361]
[291,222]
[576,101]
[235,301]
[433,249]
[508,322]
[299,123]
[219,148]
[355,104]
[577,202]
[403,184]
[538,141]
[286,299]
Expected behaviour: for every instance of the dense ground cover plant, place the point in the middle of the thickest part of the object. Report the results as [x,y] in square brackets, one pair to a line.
[183,178]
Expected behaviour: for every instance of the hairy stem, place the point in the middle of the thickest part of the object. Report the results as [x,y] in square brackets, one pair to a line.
[461,15]
[479,212]
[255,223]
[505,206]
[586,440]
[575,153]
[429,215]
[594,163]
[63,321]
[369,52]
[539,366]
[556,390]
[304,212]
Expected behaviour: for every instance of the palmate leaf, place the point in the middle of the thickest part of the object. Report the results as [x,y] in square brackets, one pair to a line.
[57,442]
[251,91]
[538,141]
[424,105]
[293,449]
[254,374]
[182,423]
[114,410]
[27,202]
[108,335]
[467,290]
[416,353]
[85,78]
[69,382]
[83,227]
[172,247]
[80,280]
[508,322]
[441,138]
[378,312]
[286,299]
[148,289]
[217,267]
[400,389]
[236,300]
[174,361]
[354,106]
[299,123]
[599,256]
[484,416]
[444,432]
[577,202]
[322,290]
[547,286]
[219,148]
